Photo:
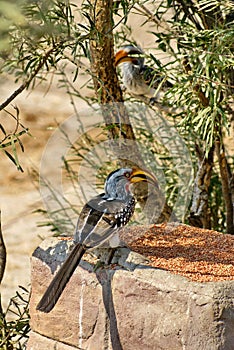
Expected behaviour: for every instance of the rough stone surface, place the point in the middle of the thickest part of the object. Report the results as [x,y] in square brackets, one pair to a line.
[38,342]
[129,307]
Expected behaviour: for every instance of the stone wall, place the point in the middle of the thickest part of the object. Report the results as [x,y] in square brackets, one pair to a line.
[129,306]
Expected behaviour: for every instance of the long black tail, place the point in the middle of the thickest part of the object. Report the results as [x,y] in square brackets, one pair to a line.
[60,280]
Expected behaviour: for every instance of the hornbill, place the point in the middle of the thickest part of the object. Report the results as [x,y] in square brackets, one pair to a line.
[139,79]
[99,222]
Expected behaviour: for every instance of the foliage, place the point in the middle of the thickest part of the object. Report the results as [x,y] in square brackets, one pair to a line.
[35,46]
[204,57]
[11,138]
[210,53]
[196,36]
[14,322]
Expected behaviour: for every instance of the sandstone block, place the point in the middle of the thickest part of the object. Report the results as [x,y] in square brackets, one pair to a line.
[128,307]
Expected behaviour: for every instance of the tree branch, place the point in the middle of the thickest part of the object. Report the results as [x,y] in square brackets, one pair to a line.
[199,212]
[2,252]
[2,259]
[196,88]
[28,81]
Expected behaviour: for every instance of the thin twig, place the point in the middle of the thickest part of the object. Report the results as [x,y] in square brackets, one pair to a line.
[151,16]
[197,88]
[2,259]
[28,81]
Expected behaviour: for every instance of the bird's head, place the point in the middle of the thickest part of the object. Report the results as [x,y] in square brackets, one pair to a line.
[129,53]
[118,183]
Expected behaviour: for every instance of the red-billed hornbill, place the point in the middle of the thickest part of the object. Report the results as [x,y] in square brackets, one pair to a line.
[99,222]
[139,79]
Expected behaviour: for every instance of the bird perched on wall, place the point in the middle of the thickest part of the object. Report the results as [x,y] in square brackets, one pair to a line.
[139,79]
[99,222]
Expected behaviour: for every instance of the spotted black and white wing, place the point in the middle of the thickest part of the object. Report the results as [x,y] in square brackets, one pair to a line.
[101,218]
[153,78]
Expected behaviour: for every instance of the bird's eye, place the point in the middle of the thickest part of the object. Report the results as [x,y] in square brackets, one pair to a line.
[127,175]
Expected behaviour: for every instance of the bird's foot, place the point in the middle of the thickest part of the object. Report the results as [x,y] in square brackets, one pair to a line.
[107,259]
[111,256]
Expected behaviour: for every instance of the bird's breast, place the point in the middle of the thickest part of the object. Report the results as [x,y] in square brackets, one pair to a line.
[135,83]
[124,215]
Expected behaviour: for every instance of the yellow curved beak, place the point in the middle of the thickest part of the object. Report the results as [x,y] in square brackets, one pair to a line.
[139,175]
[121,56]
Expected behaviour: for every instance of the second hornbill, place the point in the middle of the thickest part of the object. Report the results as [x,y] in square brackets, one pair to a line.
[99,222]
[138,78]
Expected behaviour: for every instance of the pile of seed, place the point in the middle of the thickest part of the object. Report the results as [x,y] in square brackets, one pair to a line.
[198,254]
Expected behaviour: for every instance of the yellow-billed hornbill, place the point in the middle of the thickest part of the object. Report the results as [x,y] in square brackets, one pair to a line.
[139,79]
[99,222]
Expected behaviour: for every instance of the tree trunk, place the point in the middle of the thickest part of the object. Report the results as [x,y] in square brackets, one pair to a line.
[226,186]
[109,94]
[199,212]
[107,86]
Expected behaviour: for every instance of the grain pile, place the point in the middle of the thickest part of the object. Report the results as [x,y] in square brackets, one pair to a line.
[198,254]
